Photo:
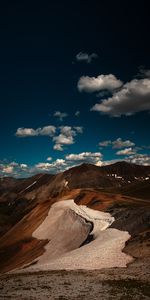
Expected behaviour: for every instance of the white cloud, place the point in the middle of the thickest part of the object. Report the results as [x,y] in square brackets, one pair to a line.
[140,159]
[62,135]
[126,151]
[58,164]
[13,164]
[63,139]
[47,130]
[23,166]
[99,163]
[67,130]
[105,143]
[49,158]
[70,160]
[60,115]
[58,147]
[96,84]
[13,169]
[29,132]
[43,166]
[119,143]
[78,129]
[133,97]
[77,113]
[23,132]
[66,136]
[7,169]
[90,157]
[83,56]
[110,162]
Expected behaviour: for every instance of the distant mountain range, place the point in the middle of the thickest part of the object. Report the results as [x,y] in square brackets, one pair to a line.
[121,175]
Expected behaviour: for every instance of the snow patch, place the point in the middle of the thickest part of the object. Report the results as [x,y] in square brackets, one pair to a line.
[105,251]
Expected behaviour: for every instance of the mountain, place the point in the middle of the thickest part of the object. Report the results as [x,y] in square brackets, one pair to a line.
[82,176]
[138,189]
[6,184]
[122,189]
[126,170]
[115,175]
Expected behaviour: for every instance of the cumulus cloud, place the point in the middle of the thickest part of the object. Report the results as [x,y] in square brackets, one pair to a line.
[90,157]
[62,135]
[70,160]
[23,166]
[23,132]
[46,167]
[140,159]
[133,97]
[60,115]
[43,166]
[62,139]
[66,136]
[126,151]
[29,132]
[117,144]
[13,169]
[47,130]
[23,170]
[7,169]
[85,57]
[96,84]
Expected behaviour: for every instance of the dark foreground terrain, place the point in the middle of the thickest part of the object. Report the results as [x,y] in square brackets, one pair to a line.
[130,283]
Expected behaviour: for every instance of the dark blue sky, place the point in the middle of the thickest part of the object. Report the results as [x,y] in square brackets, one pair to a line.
[39,73]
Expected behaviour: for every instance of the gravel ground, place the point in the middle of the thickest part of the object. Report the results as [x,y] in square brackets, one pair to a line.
[124,284]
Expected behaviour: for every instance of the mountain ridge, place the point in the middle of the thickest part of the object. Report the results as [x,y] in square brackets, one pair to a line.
[25,205]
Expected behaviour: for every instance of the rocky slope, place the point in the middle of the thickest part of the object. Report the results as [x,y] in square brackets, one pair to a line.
[25,204]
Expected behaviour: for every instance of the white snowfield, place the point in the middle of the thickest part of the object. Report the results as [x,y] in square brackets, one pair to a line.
[66,227]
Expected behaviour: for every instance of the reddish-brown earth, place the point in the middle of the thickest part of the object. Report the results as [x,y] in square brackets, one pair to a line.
[25,203]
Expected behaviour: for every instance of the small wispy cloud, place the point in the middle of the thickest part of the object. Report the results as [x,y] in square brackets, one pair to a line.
[105,143]
[85,57]
[143,72]
[77,113]
[60,115]
[49,158]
